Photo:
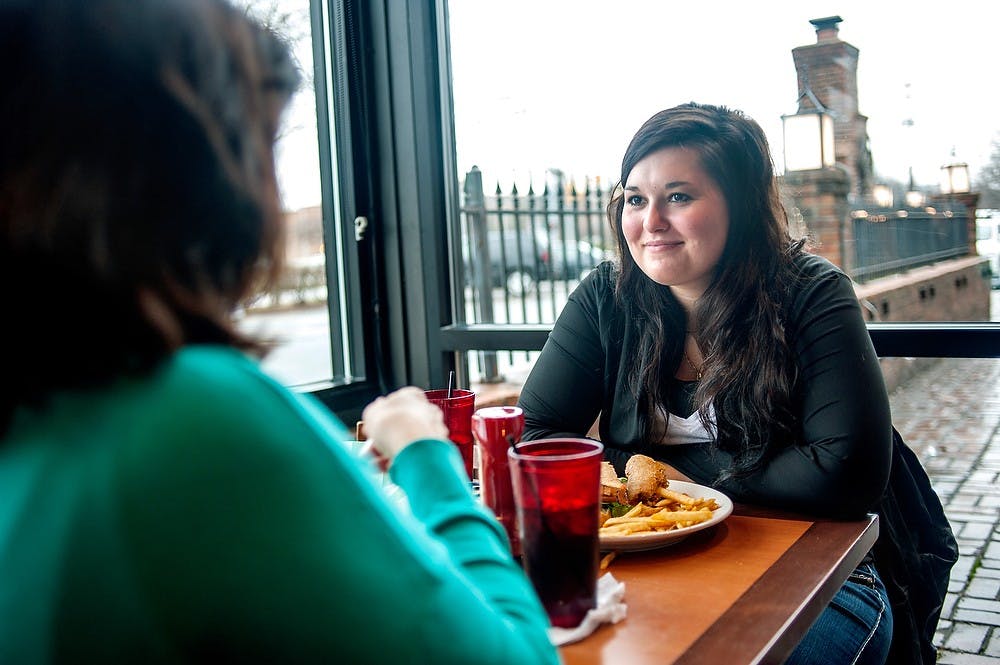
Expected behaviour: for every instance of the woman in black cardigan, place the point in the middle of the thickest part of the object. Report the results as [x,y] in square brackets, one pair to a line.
[721,347]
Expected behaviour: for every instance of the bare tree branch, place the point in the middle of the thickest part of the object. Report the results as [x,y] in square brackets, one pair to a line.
[988,181]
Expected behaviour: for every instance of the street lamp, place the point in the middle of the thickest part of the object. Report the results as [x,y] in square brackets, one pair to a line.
[914,199]
[955,178]
[808,140]
[882,195]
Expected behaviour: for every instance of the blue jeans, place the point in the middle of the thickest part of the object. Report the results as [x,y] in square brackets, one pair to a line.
[856,627]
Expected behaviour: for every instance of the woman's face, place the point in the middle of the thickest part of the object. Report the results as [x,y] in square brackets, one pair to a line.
[675,221]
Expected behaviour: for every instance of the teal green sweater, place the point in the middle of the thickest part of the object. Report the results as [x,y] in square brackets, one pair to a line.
[207,514]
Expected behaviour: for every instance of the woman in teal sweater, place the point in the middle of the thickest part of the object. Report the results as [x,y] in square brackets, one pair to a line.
[161,499]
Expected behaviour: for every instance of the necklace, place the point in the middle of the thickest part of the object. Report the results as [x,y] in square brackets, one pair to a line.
[694,368]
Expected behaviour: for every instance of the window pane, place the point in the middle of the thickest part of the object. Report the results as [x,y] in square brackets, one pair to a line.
[544,126]
[295,313]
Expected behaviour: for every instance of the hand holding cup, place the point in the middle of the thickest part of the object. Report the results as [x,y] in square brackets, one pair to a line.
[395,421]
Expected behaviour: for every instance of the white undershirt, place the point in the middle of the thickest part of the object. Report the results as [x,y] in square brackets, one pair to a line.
[682,431]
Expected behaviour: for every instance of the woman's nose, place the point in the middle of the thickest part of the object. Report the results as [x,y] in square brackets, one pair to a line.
[655,219]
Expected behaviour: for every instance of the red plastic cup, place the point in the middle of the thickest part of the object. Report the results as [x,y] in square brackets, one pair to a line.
[457,411]
[557,492]
[496,429]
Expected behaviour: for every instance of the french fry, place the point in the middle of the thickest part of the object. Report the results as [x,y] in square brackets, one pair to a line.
[607,559]
[674,510]
[633,512]
[677,497]
[682,515]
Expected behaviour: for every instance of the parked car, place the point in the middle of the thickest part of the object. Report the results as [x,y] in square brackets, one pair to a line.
[574,261]
[988,241]
[518,261]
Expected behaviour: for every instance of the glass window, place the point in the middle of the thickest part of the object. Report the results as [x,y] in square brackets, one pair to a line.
[314,315]
[295,314]
[540,130]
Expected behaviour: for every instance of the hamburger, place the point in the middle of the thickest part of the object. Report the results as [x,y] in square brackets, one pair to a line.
[613,488]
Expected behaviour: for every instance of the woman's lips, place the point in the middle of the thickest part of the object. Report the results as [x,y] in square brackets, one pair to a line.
[662,245]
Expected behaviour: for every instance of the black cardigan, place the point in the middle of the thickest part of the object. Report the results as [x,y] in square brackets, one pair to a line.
[839,467]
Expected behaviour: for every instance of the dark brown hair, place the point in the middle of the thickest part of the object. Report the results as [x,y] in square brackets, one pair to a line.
[748,370]
[138,197]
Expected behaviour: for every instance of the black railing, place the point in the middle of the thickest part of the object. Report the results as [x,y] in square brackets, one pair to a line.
[888,241]
[523,252]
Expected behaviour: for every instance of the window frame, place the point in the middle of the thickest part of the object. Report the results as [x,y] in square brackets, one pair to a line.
[382,140]
[891,340]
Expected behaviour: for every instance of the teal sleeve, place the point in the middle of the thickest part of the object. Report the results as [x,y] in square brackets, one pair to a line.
[511,624]
[257,537]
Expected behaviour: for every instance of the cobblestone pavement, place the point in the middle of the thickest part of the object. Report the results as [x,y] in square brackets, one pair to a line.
[950,416]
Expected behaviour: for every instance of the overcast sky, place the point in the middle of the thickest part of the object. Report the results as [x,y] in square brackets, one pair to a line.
[565,83]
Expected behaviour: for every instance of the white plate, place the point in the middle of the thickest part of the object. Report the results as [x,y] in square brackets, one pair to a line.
[648,540]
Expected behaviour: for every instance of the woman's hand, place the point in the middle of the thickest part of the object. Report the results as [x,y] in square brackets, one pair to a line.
[400,418]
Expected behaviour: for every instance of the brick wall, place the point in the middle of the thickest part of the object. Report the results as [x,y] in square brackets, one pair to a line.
[955,290]
[816,202]
[829,70]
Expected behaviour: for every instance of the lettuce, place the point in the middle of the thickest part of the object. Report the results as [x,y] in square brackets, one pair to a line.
[616,509]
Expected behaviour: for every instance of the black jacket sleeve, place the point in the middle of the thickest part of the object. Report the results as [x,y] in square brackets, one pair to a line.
[841,465]
[563,394]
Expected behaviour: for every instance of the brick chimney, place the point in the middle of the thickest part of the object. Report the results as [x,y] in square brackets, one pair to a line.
[828,72]
[826,28]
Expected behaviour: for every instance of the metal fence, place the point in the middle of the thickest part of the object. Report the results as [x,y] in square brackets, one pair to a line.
[891,241]
[523,251]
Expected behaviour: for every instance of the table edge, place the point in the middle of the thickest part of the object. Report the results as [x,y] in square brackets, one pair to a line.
[710,647]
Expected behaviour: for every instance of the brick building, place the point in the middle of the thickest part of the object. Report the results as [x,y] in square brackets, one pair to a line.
[827,72]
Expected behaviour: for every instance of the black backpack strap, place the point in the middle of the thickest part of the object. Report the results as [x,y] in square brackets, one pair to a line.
[914,555]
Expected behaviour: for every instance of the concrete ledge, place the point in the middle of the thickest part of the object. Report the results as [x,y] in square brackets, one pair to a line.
[496,394]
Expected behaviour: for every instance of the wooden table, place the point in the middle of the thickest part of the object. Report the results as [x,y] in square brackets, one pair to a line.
[745,591]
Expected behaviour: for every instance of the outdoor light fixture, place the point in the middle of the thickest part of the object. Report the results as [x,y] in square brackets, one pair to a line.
[808,140]
[882,195]
[955,178]
[914,199]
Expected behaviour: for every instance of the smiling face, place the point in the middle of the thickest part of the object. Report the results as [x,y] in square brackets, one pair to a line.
[675,221]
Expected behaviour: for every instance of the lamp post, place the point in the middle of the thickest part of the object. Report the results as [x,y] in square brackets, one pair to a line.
[883,196]
[808,140]
[955,178]
[816,185]
[914,199]
[956,187]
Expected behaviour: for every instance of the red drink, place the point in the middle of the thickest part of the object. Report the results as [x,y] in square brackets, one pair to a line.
[457,411]
[560,555]
[556,485]
[496,429]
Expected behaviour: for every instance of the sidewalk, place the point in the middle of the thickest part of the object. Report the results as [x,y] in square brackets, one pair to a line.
[950,416]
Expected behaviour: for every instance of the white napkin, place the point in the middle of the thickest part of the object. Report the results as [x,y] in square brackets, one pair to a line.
[610,609]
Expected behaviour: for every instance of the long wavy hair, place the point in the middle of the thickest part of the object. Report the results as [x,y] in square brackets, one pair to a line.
[748,373]
[138,198]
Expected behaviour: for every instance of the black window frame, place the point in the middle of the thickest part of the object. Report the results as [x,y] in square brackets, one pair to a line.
[385,154]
